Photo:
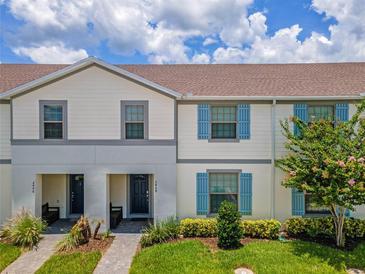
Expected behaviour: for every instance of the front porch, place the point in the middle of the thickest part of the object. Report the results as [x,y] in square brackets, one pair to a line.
[128,201]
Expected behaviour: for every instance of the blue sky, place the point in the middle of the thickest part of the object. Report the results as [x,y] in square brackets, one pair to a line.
[182,31]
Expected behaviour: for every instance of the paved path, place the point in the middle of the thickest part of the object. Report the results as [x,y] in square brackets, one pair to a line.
[118,257]
[30,261]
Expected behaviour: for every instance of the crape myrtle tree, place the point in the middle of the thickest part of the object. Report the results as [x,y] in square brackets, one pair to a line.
[327,159]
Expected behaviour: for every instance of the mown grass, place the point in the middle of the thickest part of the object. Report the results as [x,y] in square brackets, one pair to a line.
[262,257]
[8,254]
[73,263]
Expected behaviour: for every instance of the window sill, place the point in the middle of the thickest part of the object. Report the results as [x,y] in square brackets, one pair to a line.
[224,140]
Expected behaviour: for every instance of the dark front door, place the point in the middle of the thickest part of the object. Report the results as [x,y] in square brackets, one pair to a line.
[77,193]
[139,193]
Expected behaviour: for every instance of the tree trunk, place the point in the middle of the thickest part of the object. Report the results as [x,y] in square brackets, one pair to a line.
[338,213]
[96,231]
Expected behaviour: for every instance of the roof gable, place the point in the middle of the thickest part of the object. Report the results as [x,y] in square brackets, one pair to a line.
[63,71]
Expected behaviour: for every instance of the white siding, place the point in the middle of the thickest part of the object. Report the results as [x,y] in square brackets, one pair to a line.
[283,111]
[186,188]
[5,151]
[257,147]
[282,197]
[93,97]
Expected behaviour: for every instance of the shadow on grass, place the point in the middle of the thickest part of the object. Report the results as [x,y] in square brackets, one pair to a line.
[337,258]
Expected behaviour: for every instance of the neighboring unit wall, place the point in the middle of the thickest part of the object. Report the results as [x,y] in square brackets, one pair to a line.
[93,102]
[5,162]
[5,192]
[186,188]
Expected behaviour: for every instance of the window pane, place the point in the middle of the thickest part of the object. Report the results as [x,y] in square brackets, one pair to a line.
[134,130]
[53,131]
[312,208]
[134,113]
[217,199]
[224,114]
[53,113]
[320,112]
[223,182]
[223,130]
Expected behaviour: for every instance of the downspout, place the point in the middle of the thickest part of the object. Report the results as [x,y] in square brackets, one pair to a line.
[273,156]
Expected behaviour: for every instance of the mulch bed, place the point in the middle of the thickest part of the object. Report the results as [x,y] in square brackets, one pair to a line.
[98,244]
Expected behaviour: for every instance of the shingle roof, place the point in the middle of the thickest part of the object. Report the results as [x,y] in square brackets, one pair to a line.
[336,79]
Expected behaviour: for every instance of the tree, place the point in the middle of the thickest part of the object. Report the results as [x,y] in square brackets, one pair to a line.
[327,160]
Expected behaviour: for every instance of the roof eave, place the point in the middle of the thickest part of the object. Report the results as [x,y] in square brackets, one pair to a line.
[270,98]
[82,64]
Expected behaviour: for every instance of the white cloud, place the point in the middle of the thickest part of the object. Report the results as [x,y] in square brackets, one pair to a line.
[228,55]
[155,28]
[201,58]
[209,41]
[160,29]
[52,54]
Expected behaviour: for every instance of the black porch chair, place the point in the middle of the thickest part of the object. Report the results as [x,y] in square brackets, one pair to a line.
[50,213]
[116,215]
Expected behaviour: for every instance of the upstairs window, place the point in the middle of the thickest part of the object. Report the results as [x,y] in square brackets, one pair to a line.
[134,120]
[222,187]
[316,113]
[53,120]
[224,122]
[134,123]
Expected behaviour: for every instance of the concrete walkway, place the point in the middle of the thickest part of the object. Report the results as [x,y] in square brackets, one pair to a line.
[30,261]
[118,257]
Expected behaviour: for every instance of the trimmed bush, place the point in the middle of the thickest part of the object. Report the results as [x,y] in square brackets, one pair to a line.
[24,230]
[198,227]
[160,232]
[324,227]
[228,224]
[263,229]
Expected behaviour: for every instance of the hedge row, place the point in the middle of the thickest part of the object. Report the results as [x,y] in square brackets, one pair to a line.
[264,229]
[324,227]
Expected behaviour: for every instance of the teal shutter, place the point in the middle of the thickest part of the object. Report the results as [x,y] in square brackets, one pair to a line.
[342,112]
[300,111]
[202,193]
[348,212]
[203,121]
[243,121]
[246,193]
[297,202]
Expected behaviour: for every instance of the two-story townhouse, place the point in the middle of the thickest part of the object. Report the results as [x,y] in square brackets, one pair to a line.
[160,140]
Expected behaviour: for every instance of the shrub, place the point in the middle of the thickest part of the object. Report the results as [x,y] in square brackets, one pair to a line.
[23,230]
[71,240]
[324,227]
[198,227]
[228,225]
[264,229]
[160,232]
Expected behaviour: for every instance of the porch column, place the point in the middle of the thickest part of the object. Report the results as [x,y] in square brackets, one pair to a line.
[96,192]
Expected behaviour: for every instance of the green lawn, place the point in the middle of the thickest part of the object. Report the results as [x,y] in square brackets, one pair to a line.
[74,263]
[8,254]
[262,257]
